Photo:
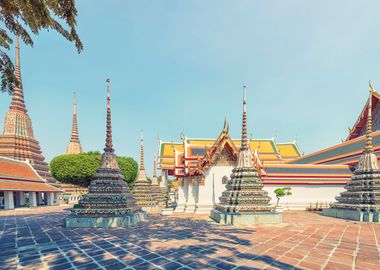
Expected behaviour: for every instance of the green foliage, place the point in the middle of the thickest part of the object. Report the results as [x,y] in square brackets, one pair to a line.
[75,169]
[79,169]
[18,17]
[282,192]
[128,167]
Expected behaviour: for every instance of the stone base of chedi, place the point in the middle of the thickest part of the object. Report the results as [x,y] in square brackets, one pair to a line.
[245,202]
[107,203]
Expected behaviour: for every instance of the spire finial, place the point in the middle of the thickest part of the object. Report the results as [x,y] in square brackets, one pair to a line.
[368,134]
[109,146]
[75,103]
[244,141]
[18,102]
[155,166]
[142,164]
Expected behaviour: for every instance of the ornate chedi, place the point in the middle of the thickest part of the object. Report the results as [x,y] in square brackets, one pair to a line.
[245,202]
[158,193]
[142,189]
[74,146]
[17,140]
[107,203]
[361,200]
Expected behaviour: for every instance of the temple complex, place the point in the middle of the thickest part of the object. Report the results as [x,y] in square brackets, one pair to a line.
[17,140]
[142,189]
[155,187]
[74,146]
[244,202]
[361,199]
[108,203]
[203,167]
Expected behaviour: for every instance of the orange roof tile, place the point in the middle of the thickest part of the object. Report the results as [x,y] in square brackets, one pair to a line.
[14,169]
[11,185]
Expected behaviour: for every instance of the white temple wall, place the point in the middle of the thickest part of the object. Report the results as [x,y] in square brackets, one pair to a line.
[207,195]
[304,195]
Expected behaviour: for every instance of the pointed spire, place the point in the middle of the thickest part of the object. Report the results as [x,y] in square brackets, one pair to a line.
[109,146]
[155,167]
[18,102]
[142,164]
[244,140]
[74,129]
[368,133]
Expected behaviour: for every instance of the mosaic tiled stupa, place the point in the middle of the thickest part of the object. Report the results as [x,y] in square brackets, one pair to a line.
[142,189]
[17,140]
[74,146]
[361,200]
[107,203]
[155,187]
[244,202]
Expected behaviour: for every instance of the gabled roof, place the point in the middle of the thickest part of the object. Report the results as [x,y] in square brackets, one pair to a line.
[18,175]
[359,127]
[18,170]
[222,142]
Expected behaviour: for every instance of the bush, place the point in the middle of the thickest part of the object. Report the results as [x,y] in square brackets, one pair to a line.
[79,169]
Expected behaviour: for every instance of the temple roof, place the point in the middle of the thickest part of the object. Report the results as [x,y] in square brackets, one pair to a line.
[359,127]
[306,174]
[19,175]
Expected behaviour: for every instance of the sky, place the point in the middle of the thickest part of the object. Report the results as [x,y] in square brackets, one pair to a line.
[179,66]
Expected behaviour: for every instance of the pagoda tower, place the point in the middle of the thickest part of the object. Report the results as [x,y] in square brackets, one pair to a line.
[17,140]
[142,189]
[361,200]
[74,146]
[244,202]
[155,187]
[107,203]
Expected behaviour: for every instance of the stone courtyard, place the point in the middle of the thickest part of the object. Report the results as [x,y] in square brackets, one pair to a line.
[35,239]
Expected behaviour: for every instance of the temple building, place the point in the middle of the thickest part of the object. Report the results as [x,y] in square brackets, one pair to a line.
[361,199]
[142,189]
[244,202]
[203,167]
[74,146]
[22,186]
[108,202]
[17,140]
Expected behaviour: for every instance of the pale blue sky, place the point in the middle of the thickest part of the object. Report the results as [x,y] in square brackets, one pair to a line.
[180,66]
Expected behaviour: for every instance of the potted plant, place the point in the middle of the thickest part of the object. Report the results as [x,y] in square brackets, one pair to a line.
[281,192]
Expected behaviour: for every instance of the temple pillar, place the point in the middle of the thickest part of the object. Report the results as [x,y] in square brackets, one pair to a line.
[164,179]
[50,198]
[21,198]
[33,199]
[8,200]
[192,196]
[182,196]
[40,199]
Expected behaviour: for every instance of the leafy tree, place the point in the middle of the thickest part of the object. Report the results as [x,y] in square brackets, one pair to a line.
[79,169]
[282,192]
[20,16]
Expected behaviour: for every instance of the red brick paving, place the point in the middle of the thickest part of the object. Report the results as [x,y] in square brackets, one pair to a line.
[305,240]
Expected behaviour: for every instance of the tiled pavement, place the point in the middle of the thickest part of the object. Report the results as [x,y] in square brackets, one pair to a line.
[35,239]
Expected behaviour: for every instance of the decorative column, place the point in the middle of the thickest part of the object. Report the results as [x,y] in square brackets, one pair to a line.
[164,179]
[39,198]
[8,200]
[33,199]
[21,198]
[182,194]
[49,198]
[192,193]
